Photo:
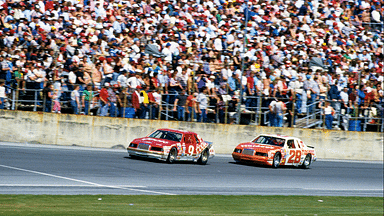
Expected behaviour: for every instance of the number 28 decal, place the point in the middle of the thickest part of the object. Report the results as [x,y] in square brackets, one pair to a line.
[294,154]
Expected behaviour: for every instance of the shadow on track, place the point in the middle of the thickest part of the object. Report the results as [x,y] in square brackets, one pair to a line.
[250,164]
[153,160]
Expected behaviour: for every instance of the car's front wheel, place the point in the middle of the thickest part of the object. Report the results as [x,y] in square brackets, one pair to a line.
[306,162]
[276,160]
[172,155]
[204,157]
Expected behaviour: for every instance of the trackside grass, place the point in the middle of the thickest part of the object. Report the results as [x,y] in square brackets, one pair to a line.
[188,205]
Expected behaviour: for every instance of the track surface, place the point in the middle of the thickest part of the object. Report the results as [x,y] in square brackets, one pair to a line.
[45,169]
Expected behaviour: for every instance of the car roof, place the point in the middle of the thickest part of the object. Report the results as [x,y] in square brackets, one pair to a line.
[177,131]
[278,136]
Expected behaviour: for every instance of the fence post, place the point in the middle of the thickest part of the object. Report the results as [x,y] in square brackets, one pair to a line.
[13,99]
[35,107]
[226,112]
[293,110]
[259,108]
[166,111]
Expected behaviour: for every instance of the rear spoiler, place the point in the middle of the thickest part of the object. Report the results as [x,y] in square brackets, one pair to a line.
[209,144]
[311,147]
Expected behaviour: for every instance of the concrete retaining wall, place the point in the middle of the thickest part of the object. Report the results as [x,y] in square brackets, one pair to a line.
[105,132]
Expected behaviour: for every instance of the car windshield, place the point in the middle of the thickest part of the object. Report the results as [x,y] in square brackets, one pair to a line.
[168,135]
[269,141]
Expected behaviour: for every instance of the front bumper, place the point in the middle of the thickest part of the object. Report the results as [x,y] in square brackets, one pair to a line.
[146,153]
[254,159]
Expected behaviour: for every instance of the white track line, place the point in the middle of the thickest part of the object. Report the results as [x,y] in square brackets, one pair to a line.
[63,185]
[85,182]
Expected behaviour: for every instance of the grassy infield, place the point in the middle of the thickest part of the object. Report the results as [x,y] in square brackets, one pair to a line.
[188,205]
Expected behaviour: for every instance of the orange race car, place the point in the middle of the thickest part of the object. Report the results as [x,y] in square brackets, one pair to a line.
[172,145]
[275,150]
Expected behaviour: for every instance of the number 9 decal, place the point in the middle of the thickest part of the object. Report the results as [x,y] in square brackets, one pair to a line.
[191,149]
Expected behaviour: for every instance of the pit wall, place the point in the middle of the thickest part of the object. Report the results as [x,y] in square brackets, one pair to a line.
[105,132]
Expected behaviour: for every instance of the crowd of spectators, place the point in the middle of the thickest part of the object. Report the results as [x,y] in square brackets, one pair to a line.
[93,53]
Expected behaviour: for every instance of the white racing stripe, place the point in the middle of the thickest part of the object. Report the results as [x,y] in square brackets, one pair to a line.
[85,182]
[63,185]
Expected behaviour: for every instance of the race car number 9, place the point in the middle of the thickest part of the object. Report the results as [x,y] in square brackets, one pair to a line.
[294,154]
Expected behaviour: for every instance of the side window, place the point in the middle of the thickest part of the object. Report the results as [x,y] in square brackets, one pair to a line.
[188,138]
[291,144]
[298,143]
[197,140]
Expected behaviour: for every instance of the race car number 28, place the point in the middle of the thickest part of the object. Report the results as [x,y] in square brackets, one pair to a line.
[295,156]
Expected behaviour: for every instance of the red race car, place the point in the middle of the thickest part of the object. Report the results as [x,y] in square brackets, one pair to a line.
[172,145]
[275,150]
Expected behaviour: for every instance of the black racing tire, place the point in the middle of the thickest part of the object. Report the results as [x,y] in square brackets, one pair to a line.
[276,160]
[204,157]
[172,155]
[306,162]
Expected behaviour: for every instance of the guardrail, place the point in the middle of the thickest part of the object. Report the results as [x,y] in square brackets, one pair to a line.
[251,113]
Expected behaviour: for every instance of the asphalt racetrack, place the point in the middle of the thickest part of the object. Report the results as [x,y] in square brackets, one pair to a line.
[48,169]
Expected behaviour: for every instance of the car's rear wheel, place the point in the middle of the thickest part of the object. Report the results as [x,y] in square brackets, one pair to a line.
[204,157]
[276,160]
[306,162]
[172,155]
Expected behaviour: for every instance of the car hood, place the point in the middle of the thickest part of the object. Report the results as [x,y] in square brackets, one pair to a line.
[258,147]
[154,141]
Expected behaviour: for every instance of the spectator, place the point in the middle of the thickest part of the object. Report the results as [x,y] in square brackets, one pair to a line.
[221,107]
[232,108]
[136,101]
[272,113]
[87,98]
[125,104]
[75,99]
[112,98]
[328,112]
[122,78]
[279,110]
[202,105]
[180,105]
[154,98]
[3,94]
[344,100]
[144,102]
[104,100]
[191,104]
[48,96]
[56,101]
[315,91]
[233,83]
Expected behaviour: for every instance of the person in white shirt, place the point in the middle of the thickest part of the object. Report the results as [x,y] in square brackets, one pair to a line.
[122,78]
[3,95]
[75,99]
[345,99]
[133,81]
[167,53]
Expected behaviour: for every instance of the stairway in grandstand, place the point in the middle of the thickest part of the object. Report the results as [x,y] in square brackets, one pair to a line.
[308,123]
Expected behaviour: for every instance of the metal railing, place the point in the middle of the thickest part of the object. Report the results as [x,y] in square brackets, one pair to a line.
[255,113]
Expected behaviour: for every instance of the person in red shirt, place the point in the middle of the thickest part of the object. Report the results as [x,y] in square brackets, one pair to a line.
[251,100]
[104,102]
[136,101]
[191,105]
